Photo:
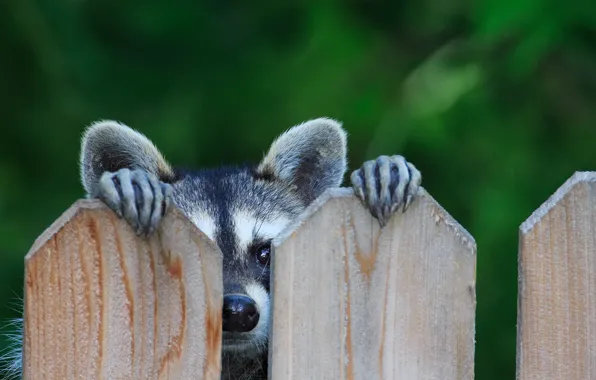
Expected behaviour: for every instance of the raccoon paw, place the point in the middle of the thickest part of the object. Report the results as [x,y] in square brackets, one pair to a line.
[386,184]
[137,196]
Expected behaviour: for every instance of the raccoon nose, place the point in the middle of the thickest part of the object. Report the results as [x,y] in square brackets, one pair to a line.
[240,313]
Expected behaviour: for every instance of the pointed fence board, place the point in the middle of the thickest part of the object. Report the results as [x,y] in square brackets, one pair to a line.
[556,336]
[352,301]
[102,303]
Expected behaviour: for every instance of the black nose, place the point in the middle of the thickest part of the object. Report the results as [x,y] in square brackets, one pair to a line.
[240,313]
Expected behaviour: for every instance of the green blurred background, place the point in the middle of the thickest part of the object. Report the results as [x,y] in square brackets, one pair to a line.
[492,100]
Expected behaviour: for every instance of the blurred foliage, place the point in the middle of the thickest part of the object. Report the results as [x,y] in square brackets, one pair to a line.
[492,100]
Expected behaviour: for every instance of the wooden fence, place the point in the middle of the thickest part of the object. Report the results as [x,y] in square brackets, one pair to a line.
[557,285]
[350,301]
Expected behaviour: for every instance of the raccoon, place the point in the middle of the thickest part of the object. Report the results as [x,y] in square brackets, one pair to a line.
[241,208]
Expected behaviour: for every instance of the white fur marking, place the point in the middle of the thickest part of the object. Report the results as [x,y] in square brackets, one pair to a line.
[247,228]
[244,225]
[204,222]
[258,293]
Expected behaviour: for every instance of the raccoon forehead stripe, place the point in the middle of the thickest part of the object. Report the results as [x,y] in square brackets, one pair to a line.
[204,222]
[248,228]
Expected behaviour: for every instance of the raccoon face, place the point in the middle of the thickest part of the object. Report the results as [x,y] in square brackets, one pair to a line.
[242,213]
[242,209]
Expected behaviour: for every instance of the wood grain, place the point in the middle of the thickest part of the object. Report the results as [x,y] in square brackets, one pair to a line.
[557,285]
[102,303]
[352,301]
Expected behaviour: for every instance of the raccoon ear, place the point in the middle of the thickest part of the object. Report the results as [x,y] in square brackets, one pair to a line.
[310,156]
[109,146]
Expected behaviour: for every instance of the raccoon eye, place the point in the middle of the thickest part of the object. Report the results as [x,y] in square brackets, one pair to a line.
[263,254]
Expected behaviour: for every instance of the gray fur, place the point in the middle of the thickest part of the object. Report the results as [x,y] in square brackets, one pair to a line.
[108,146]
[311,157]
[241,208]
[124,169]
[386,184]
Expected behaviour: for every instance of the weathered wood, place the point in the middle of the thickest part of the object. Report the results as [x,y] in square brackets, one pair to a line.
[556,337]
[102,303]
[352,301]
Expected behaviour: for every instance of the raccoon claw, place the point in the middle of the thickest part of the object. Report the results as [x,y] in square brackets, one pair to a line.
[386,184]
[137,196]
